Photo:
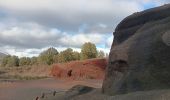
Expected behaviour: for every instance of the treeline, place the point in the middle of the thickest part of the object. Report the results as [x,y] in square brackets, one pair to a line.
[51,55]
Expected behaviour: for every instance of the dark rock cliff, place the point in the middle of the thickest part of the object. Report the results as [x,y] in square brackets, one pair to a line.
[139,59]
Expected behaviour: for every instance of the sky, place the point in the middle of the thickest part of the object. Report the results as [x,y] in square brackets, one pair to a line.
[27,27]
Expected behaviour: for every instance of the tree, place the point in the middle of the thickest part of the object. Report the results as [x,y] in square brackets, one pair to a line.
[5,60]
[46,57]
[60,58]
[100,54]
[68,55]
[76,55]
[10,61]
[34,61]
[88,51]
[24,61]
[13,61]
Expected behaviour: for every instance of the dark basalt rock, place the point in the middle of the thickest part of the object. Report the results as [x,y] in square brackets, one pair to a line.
[76,91]
[142,44]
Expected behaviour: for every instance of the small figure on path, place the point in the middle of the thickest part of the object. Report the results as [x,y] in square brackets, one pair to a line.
[54,93]
[43,95]
[37,98]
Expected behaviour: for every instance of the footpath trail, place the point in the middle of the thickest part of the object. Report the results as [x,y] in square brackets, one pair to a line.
[29,90]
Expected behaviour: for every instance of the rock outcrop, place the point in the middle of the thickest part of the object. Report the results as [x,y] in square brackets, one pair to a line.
[77,90]
[139,59]
[87,69]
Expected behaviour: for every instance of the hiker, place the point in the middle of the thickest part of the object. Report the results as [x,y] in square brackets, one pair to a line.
[54,93]
[43,95]
[37,98]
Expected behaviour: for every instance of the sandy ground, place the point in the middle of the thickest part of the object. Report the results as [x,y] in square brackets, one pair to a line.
[29,90]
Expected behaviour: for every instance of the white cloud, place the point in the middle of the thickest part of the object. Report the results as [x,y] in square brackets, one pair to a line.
[105,50]
[29,26]
[70,15]
[38,37]
[109,41]
[79,39]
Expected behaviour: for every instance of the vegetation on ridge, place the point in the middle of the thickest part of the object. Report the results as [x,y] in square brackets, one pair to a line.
[51,55]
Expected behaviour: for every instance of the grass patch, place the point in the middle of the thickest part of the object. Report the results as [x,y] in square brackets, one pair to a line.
[18,77]
[25,73]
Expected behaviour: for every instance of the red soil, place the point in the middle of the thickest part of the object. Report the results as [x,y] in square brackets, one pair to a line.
[87,69]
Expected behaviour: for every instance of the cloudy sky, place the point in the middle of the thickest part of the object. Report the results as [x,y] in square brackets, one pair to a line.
[28,27]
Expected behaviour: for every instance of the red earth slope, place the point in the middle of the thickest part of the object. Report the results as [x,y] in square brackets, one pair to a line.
[87,69]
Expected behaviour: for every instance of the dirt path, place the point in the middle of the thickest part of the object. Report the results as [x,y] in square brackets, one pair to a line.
[28,90]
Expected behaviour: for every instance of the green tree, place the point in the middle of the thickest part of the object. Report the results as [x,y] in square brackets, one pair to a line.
[68,55]
[10,61]
[88,51]
[5,61]
[13,61]
[46,57]
[24,61]
[34,61]
[55,58]
[76,55]
[60,58]
[100,54]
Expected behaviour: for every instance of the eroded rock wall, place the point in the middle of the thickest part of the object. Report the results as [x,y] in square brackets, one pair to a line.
[87,69]
[139,59]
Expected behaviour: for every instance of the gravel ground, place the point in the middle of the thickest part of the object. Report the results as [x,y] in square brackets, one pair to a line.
[30,89]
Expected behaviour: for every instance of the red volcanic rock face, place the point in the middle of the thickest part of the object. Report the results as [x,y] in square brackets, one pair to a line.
[87,69]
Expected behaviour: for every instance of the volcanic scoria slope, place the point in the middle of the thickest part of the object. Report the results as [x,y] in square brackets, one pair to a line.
[86,69]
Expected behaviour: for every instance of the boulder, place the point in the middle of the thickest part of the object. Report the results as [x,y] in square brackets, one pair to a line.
[139,59]
[76,91]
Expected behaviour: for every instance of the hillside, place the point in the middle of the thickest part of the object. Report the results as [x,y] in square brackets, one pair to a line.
[87,69]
